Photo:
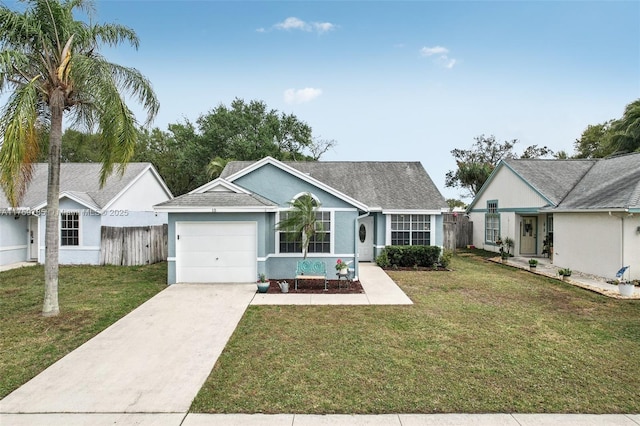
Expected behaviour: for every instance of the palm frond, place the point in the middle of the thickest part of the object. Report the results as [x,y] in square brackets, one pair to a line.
[20,144]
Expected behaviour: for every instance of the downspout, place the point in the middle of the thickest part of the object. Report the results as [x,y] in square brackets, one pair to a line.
[356,238]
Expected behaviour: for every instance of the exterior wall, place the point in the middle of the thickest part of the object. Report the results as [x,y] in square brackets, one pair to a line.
[515,198]
[88,252]
[280,187]
[141,196]
[593,243]
[13,239]
[261,219]
[380,234]
[128,218]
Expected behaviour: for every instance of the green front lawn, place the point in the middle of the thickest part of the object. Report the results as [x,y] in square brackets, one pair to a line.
[482,338]
[91,299]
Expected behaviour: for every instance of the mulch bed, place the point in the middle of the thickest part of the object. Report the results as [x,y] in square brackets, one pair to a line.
[317,286]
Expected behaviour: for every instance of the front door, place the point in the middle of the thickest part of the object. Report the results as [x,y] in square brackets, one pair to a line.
[365,239]
[528,232]
[33,237]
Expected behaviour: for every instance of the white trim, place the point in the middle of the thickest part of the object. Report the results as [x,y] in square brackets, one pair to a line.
[7,248]
[171,259]
[560,210]
[431,231]
[185,209]
[332,234]
[79,248]
[72,197]
[299,255]
[254,224]
[80,227]
[219,182]
[149,166]
[427,212]
[300,175]
[311,194]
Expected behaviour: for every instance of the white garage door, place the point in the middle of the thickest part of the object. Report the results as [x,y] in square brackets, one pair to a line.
[215,252]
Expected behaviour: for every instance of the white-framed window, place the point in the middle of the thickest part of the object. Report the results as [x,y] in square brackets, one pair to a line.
[320,242]
[410,229]
[70,229]
[492,222]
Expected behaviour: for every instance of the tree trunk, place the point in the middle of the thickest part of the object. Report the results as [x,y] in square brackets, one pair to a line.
[52,237]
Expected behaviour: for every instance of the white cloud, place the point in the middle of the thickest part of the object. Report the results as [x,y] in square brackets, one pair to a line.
[293,23]
[442,58]
[323,27]
[300,96]
[436,50]
[447,62]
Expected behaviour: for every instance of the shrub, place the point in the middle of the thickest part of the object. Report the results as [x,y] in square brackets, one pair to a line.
[382,260]
[412,256]
[445,259]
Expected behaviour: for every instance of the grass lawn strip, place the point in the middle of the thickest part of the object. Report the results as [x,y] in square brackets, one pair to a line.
[91,299]
[483,338]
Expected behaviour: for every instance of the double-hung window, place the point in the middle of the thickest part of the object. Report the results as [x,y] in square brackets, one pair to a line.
[70,229]
[410,229]
[492,222]
[320,242]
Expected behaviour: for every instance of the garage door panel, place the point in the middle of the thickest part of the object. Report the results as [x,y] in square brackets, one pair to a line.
[220,260]
[216,252]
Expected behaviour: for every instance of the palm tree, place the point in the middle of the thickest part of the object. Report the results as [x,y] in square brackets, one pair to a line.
[626,131]
[50,64]
[301,221]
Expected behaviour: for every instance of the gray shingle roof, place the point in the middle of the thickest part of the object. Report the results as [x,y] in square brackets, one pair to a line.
[610,183]
[552,178]
[389,185]
[218,199]
[584,184]
[80,179]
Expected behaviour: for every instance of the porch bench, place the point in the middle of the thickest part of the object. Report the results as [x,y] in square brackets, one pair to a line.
[311,270]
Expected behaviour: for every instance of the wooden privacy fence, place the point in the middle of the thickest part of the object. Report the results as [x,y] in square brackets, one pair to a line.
[139,245]
[458,231]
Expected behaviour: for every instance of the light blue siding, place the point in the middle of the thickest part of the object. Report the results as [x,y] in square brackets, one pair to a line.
[88,252]
[279,187]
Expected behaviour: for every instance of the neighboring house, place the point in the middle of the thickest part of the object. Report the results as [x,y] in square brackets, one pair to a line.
[584,214]
[225,231]
[124,201]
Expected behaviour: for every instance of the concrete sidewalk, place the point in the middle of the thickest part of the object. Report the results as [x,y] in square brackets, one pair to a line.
[321,420]
[153,360]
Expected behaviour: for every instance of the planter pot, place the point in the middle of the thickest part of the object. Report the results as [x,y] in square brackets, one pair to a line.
[532,267]
[565,277]
[343,271]
[626,289]
[263,287]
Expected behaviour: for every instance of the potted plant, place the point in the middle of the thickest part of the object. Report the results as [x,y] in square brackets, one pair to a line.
[565,273]
[341,267]
[263,283]
[533,263]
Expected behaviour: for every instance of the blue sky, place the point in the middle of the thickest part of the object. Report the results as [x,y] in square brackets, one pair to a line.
[394,80]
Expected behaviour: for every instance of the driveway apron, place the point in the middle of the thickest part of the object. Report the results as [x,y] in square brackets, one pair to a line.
[153,360]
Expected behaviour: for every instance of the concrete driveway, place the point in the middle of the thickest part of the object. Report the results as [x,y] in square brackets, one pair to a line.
[153,360]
